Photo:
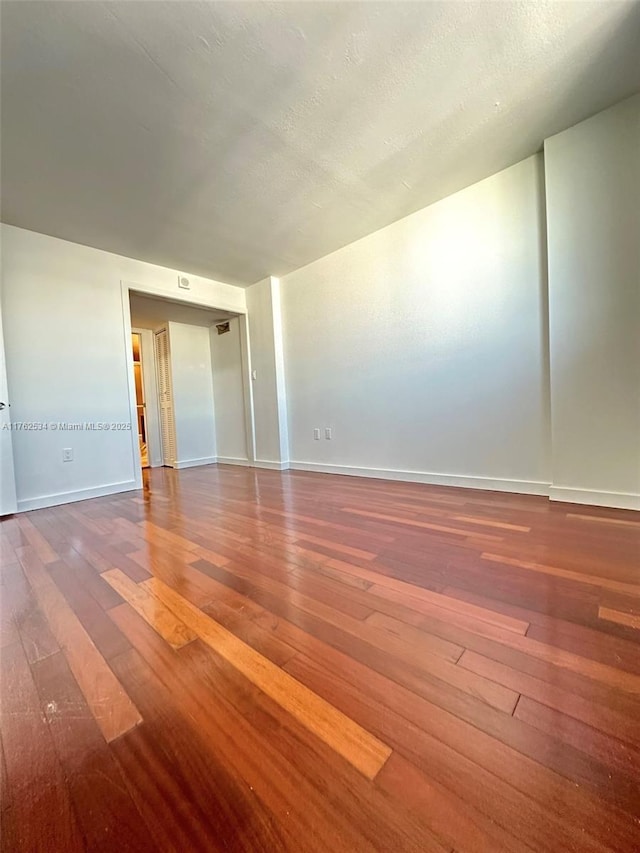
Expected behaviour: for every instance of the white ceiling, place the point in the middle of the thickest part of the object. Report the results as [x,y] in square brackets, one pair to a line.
[238,139]
[147,312]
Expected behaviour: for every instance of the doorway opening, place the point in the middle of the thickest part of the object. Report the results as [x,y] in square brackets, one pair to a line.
[191,374]
[136,344]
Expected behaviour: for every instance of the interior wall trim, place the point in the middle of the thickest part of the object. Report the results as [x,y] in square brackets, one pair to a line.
[271,466]
[194,463]
[525,487]
[616,500]
[80,495]
[248,463]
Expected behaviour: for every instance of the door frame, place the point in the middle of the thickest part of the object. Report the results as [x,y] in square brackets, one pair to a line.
[148,290]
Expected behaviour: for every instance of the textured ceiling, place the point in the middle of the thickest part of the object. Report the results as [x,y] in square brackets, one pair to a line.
[238,140]
[147,312]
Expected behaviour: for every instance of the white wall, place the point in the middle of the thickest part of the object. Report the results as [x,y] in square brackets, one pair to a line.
[228,392]
[67,351]
[593,197]
[7,479]
[267,360]
[424,346]
[193,405]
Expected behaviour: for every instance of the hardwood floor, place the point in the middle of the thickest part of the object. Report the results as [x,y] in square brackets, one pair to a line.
[238,659]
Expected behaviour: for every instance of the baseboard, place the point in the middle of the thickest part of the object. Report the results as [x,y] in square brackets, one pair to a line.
[80,495]
[194,463]
[617,500]
[522,487]
[271,466]
[257,463]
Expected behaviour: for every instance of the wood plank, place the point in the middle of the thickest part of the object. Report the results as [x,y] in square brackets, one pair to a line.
[106,812]
[356,745]
[84,573]
[423,525]
[495,808]
[321,600]
[382,821]
[37,541]
[15,600]
[592,643]
[620,618]
[7,553]
[456,821]
[152,610]
[247,743]
[187,795]
[389,615]
[156,534]
[433,603]
[544,670]
[389,651]
[104,634]
[327,571]
[106,557]
[40,816]
[337,546]
[608,675]
[515,753]
[590,639]
[556,571]
[113,710]
[22,617]
[481,688]
[240,622]
[610,750]
[5,788]
[210,556]
[37,640]
[488,522]
[586,710]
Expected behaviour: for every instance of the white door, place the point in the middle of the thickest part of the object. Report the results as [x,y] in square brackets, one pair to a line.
[7,478]
[165,399]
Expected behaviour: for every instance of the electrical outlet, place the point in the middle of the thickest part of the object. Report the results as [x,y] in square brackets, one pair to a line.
[327,433]
[316,434]
[67,454]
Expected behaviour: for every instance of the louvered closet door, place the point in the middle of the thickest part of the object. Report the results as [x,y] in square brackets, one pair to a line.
[165,397]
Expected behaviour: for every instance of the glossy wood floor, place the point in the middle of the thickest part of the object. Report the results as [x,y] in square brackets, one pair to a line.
[249,660]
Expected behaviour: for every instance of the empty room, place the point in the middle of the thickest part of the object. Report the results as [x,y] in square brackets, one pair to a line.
[320,426]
